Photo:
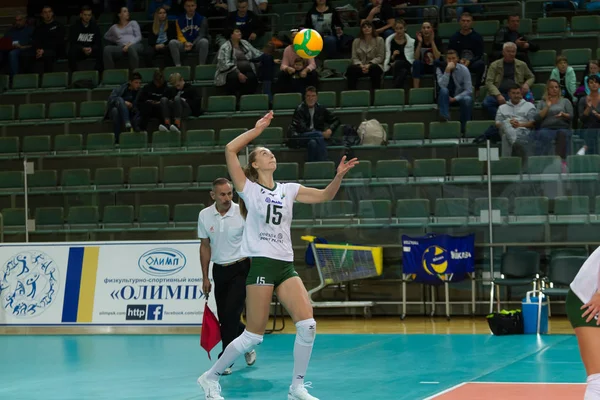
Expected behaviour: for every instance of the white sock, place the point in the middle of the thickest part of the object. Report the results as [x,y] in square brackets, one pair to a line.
[592,391]
[305,338]
[240,345]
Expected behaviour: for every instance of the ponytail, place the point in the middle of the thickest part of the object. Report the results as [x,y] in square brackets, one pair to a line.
[252,175]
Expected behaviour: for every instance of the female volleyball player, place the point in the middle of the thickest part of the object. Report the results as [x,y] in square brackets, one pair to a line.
[267,207]
[585,295]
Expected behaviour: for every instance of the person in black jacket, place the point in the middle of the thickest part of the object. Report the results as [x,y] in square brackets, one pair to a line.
[48,43]
[312,124]
[510,33]
[468,44]
[121,105]
[181,100]
[160,33]
[148,100]
[85,40]
[246,21]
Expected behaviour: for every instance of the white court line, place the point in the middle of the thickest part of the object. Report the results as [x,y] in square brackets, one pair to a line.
[445,391]
[498,383]
[429,383]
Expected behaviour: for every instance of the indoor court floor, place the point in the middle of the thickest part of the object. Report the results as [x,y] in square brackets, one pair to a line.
[456,360]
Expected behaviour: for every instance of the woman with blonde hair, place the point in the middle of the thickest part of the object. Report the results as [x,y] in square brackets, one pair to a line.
[268,208]
[160,32]
[181,101]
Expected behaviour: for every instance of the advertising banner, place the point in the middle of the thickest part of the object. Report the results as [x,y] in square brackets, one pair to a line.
[104,283]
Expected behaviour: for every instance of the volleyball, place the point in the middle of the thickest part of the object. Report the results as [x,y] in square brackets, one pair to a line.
[308,43]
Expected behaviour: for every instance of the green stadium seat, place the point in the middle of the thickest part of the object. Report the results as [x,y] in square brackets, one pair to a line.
[551,25]
[157,214]
[380,209]
[133,140]
[451,212]
[187,214]
[178,175]
[13,217]
[254,103]
[205,73]
[413,212]
[184,71]
[506,166]
[466,167]
[25,82]
[586,164]
[146,73]
[9,145]
[302,211]
[286,172]
[270,136]
[444,130]
[543,58]
[200,138]
[530,210]
[340,66]
[571,210]
[71,142]
[538,90]
[585,24]
[389,98]
[100,141]
[221,104]
[4,83]
[115,77]
[55,80]
[64,110]
[286,101]
[227,135]
[421,96]
[526,26]
[320,170]
[544,165]
[328,99]
[335,209]
[7,112]
[143,175]
[83,215]
[498,203]
[36,144]
[355,99]
[486,28]
[394,169]
[109,177]
[432,168]
[360,171]
[118,215]
[76,177]
[32,111]
[447,29]
[413,131]
[208,173]
[49,217]
[477,128]
[166,140]
[43,179]
[11,180]
[92,109]
[519,267]
[578,56]
[92,76]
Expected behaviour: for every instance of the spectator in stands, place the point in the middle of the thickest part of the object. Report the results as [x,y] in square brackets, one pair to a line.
[312,124]
[246,21]
[399,54]
[368,54]
[468,7]
[554,116]
[510,33]
[235,67]
[565,75]
[126,37]
[160,33]
[455,89]
[589,114]
[296,74]
[593,68]
[149,98]
[181,101]
[381,14]
[192,34]
[515,120]
[428,50]
[154,5]
[15,41]
[256,6]
[215,8]
[121,105]
[500,78]
[85,40]
[48,43]
[469,46]
[325,19]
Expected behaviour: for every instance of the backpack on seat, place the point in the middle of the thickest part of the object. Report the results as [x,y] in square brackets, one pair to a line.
[371,133]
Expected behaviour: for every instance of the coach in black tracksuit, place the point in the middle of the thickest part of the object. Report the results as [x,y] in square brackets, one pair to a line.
[85,40]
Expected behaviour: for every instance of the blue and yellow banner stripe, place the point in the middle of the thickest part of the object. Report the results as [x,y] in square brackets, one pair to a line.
[80,287]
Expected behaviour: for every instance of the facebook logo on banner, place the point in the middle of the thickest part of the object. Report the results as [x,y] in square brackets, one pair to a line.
[155,312]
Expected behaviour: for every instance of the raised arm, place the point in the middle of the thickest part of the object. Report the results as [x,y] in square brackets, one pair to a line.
[312,195]
[236,145]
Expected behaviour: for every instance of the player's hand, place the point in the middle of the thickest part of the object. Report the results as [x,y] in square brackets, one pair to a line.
[344,166]
[593,309]
[264,122]
[206,286]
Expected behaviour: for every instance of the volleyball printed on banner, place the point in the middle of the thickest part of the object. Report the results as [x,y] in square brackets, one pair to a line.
[435,260]
[308,43]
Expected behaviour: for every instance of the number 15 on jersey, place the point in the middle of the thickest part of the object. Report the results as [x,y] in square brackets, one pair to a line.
[274,214]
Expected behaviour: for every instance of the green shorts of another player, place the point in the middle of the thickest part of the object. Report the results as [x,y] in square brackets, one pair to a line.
[269,272]
[574,312]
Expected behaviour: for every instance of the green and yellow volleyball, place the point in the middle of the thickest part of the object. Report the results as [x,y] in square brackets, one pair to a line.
[308,43]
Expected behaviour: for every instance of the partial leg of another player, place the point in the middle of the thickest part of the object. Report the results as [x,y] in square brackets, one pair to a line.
[589,346]
[294,297]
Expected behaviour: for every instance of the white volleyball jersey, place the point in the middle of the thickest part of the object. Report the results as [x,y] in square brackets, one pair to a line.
[585,283]
[267,231]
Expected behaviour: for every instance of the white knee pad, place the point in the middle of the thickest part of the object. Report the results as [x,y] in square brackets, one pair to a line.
[246,341]
[306,331]
[593,387]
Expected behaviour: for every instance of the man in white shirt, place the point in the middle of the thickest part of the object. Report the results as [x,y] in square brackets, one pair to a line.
[515,120]
[220,229]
